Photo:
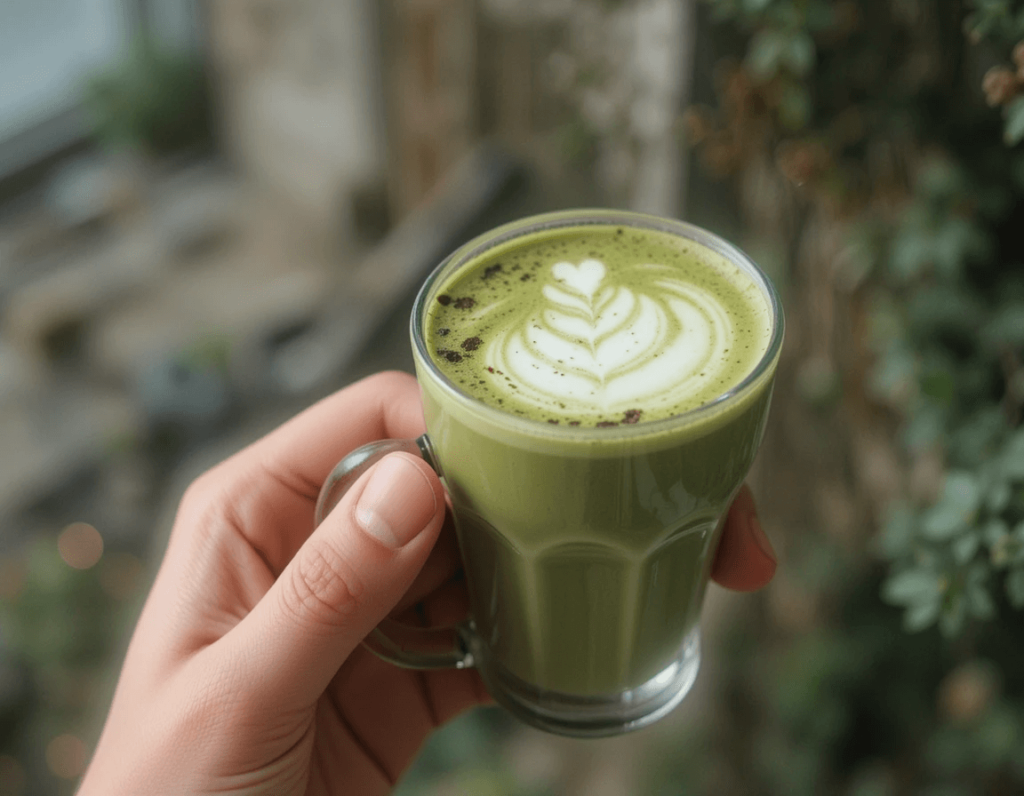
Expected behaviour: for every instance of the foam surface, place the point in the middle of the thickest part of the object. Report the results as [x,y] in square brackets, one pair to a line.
[596,326]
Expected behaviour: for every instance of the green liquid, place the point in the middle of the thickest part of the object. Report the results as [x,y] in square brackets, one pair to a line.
[588,551]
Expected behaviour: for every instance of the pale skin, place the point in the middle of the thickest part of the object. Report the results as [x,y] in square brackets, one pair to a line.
[245,673]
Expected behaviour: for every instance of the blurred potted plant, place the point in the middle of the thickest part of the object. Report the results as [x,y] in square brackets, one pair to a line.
[155,101]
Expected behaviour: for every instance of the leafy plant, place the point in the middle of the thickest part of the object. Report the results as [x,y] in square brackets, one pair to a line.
[876,145]
[831,89]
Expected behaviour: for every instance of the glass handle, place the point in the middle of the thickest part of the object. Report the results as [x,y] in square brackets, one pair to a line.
[397,642]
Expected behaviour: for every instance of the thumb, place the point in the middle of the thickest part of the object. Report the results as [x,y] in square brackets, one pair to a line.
[349,574]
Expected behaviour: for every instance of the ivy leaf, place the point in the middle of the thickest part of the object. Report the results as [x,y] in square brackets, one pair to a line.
[966,546]
[1015,588]
[913,587]
[998,497]
[897,536]
[925,428]
[1012,463]
[939,180]
[892,377]
[919,617]
[980,603]
[971,446]
[799,53]
[1013,132]
[911,252]
[938,383]
[955,509]
[975,441]
[766,53]
[994,531]
[999,541]
[958,242]
[941,308]
[1006,328]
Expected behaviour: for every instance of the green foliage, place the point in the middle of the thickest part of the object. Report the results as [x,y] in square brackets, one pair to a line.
[154,100]
[946,344]
[942,267]
[1014,132]
[910,147]
[774,51]
[1002,20]
[857,707]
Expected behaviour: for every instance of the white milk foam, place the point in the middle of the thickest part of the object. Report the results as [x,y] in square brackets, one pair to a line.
[598,348]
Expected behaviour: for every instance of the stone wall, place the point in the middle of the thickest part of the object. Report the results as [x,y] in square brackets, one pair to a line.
[299,100]
[430,78]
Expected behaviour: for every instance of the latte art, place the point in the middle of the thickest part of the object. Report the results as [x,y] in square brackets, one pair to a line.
[597,327]
[606,349]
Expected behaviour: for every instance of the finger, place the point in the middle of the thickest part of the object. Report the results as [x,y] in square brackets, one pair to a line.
[341,583]
[271,486]
[442,565]
[391,710]
[745,560]
[306,448]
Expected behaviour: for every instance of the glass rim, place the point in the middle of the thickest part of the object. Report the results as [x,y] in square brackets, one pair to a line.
[476,247]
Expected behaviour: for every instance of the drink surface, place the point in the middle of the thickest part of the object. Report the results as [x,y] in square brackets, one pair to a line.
[598,325]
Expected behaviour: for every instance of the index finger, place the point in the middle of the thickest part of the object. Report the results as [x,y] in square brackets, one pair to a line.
[267,492]
[304,450]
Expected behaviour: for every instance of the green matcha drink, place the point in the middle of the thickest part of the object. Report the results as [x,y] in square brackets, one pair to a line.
[595,394]
[598,326]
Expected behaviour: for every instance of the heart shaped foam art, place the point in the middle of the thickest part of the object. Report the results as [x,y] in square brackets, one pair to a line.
[601,348]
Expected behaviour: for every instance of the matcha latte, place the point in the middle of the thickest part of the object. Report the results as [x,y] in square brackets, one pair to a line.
[598,326]
[595,387]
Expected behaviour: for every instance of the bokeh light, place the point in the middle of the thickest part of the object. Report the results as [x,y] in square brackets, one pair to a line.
[80,545]
[67,756]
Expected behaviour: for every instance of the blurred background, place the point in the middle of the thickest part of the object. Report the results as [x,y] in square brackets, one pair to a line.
[214,213]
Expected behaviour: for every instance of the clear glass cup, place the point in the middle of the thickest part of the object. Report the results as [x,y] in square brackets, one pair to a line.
[587,551]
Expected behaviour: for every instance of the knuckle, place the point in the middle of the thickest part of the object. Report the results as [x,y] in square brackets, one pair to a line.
[212,508]
[325,589]
[206,493]
[198,493]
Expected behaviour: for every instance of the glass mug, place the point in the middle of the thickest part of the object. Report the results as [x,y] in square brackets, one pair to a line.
[586,551]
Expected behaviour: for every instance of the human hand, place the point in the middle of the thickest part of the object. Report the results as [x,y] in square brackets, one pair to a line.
[245,674]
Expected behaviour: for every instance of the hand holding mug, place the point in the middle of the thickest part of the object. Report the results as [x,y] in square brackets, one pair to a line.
[246,674]
[595,388]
